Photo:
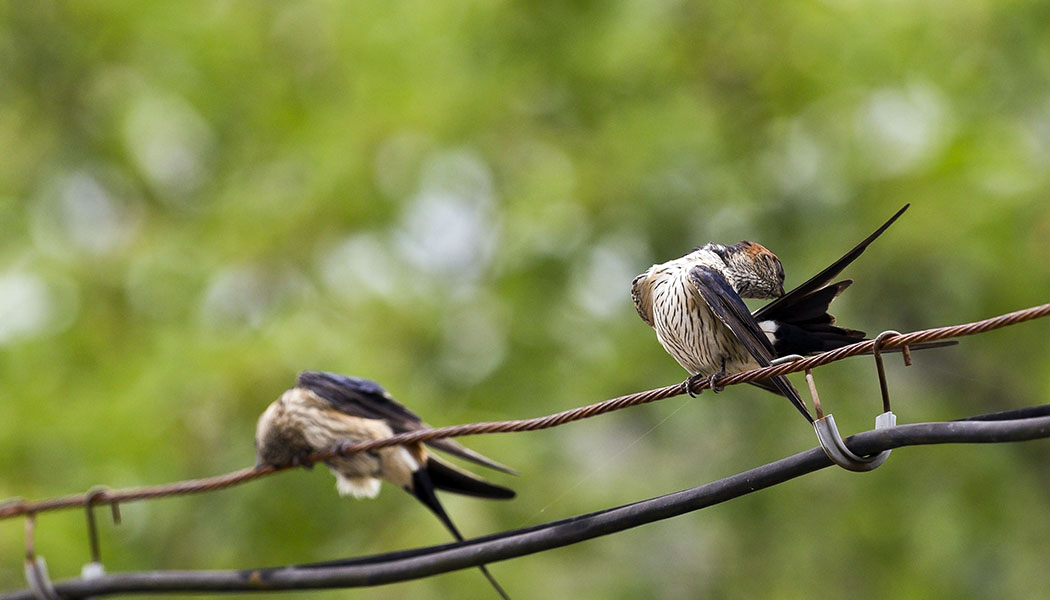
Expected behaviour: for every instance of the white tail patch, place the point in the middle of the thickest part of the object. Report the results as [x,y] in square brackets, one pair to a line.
[770,329]
[358,487]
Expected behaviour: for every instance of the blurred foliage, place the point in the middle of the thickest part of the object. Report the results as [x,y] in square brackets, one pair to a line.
[199,200]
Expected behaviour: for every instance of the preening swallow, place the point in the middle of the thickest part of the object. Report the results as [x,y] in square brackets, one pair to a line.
[694,304]
[326,409]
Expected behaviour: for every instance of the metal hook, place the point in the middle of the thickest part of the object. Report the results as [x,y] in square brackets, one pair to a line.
[828,433]
[30,528]
[813,392]
[93,568]
[834,446]
[38,580]
[876,350]
[89,508]
[115,511]
[832,443]
[785,359]
[36,567]
[809,379]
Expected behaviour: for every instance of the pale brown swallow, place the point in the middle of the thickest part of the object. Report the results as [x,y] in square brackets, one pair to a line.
[327,409]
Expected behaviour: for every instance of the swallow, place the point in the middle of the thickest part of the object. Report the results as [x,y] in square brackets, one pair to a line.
[695,305]
[326,409]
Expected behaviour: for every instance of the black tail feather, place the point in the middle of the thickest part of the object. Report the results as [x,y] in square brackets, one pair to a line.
[444,476]
[811,308]
[795,339]
[423,490]
[821,279]
[769,386]
[804,326]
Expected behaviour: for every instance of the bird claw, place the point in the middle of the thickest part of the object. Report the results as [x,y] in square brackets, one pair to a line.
[712,382]
[687,385]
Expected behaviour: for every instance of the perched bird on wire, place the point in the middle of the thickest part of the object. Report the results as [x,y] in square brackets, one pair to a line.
[694,304]
[327,409]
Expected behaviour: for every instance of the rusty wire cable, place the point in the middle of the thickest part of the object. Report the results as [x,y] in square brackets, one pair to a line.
[98,497]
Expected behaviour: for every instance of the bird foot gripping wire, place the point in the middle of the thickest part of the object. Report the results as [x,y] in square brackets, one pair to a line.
[713,381]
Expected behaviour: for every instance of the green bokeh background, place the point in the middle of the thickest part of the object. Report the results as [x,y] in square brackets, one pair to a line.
[198,200]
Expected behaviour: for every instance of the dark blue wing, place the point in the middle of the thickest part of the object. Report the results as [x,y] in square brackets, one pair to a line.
[726,304]
[360,398]
[365,398]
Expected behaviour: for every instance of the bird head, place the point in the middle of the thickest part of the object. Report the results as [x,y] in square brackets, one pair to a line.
[279,440]
[756,272]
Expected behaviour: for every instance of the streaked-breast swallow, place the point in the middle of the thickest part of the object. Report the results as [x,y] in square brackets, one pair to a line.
[695,305]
